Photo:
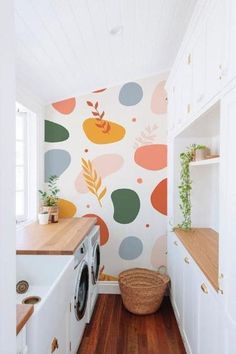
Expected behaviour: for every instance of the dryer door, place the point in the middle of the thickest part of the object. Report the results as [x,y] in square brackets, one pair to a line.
[81,292]
[95,263]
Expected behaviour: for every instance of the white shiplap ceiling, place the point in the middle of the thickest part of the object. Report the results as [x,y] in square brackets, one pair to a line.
[65,48]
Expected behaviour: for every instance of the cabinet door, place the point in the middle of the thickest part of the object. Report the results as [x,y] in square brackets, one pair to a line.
[171,108]
[179,97]
[177,278]
[209,319]
[229,59]
[21,347]
[190,305]
[228,221]
[170,261]
[187,88]
[60,335]
[214,45]
[199,69]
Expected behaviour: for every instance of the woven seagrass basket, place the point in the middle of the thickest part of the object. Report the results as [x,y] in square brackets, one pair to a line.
[142,290]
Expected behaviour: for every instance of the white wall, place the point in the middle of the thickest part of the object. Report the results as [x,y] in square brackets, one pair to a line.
[7,179]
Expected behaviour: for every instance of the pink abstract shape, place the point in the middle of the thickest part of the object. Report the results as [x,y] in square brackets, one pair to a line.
[104,165]
[158,254]
[151,157]
[159,99]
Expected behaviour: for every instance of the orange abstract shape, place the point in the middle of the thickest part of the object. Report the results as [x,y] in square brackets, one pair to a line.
[100,130]
[159,99]
[106,277]
[151,157]
[66,208]
[66,106]
[104,232]
[103,132]
[159,197]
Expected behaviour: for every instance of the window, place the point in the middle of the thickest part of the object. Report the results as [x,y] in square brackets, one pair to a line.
[26,195]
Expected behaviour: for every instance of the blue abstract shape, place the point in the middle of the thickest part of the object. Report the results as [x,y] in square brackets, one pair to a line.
[130,248]
[130,94]
[56,162]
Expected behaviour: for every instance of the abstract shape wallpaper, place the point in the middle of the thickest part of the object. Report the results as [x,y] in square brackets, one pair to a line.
[109,149]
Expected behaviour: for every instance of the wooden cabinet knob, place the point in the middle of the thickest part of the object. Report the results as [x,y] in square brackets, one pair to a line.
[54,345]
[204,288]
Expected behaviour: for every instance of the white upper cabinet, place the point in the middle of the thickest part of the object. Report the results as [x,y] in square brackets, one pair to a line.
[187,85]
[199,68]
[229,59]
[214,48]
[205,63]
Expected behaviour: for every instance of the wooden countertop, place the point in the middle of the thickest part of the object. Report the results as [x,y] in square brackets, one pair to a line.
[61,238]
[203,246]
[23,313]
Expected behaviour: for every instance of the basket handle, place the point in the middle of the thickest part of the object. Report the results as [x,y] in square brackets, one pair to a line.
[164,278]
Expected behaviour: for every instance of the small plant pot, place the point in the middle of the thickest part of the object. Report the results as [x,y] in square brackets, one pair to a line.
[43,218]
[53,212]
[200,154]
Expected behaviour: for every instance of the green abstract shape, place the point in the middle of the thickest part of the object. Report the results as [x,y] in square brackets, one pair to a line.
[54,132]
[126,205]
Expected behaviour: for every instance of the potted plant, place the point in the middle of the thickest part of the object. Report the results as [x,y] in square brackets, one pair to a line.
[200,152]
[50,199]
[185,186]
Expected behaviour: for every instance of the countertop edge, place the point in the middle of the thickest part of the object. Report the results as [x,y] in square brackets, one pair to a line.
[58,251]
[23,314]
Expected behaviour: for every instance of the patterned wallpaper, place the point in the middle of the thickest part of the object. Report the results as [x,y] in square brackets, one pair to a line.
[109,149]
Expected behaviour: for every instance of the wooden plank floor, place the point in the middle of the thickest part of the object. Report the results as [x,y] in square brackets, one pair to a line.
[113,330]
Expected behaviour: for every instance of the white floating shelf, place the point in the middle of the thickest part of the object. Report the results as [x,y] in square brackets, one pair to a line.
[215,160]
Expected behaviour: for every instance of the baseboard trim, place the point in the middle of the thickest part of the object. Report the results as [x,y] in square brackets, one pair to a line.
[108,287]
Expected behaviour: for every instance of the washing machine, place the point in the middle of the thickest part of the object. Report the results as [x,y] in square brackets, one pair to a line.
[80,299]
[94,264]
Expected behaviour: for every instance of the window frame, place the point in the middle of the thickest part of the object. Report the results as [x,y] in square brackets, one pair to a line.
[30,165]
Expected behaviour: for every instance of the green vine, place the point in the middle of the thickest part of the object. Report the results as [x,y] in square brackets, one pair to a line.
[185,186]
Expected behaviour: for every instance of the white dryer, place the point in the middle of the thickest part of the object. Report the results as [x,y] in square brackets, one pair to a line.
[80,299]
[94,264]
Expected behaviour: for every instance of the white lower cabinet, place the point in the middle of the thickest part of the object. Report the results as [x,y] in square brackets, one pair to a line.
[209,319]
[21,345]
[175,264]
[190,303]
[197,305]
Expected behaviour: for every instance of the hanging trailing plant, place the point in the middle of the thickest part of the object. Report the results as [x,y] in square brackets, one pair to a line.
[185,186]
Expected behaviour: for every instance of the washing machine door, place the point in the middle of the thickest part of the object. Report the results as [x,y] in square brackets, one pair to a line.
[95,263]
[81,291]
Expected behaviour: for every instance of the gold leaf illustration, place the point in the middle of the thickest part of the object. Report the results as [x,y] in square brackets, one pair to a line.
[101,195]
[98,184]
[93,181]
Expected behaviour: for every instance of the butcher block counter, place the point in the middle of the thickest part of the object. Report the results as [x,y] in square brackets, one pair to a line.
[61,238]
[23,313]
